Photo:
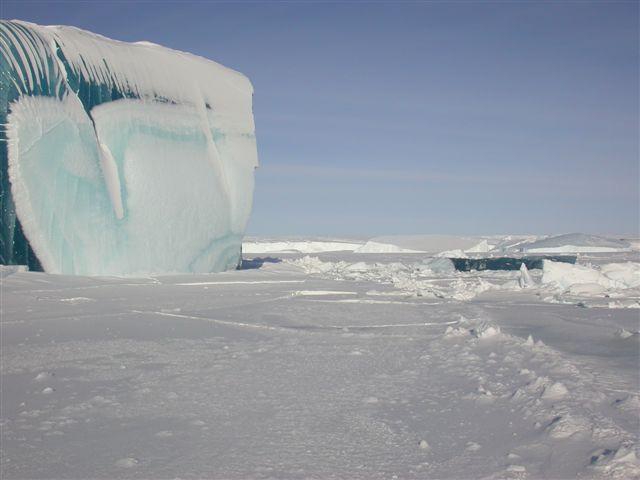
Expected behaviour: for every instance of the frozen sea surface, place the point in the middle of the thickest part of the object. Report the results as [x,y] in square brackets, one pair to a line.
[323,365]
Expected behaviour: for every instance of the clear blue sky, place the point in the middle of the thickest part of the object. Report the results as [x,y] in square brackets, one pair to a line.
[417,117]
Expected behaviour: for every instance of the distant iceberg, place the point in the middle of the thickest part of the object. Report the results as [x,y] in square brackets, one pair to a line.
[576,243]
[120,158]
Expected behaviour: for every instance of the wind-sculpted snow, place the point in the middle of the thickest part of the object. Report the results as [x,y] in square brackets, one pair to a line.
[120,158]
[341,365]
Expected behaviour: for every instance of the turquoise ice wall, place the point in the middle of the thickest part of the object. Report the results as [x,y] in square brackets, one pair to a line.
[93,134]
[17,45]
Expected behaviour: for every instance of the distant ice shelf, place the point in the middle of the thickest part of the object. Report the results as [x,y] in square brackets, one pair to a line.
[577,243]
[120,158]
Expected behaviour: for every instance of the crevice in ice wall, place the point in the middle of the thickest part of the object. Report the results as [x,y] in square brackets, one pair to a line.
[111,177]
[104,93]
[71,66]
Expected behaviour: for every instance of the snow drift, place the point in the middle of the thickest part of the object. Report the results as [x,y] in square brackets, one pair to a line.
[121,158]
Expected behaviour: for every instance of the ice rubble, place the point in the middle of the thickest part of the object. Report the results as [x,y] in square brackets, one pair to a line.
[121,158]
[588,280]
[525,280]
[612,285]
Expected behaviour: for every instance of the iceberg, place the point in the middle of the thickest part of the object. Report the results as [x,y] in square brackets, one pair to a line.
[120,158]
[576,243]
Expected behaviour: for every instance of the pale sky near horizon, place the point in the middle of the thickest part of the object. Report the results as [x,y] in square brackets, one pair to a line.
[417,117]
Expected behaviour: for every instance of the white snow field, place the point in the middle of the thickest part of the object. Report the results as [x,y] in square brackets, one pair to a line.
[325,365]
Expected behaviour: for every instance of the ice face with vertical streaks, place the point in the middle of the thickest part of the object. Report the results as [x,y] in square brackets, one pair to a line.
[120,158]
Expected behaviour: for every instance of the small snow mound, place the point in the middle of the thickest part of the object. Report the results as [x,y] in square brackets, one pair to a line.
[457,331]
[630,403]
[473,446]
[48,391]
[482,247]
[370,400]
[6,270]
[488,331]
[626,455]
[568,426]
[622,333]
[533,388]
[42,376]
[519,394]
[621,462]
[586,289]
[472,328]
[358,267]
[76,300]
[601,455]
[321,293]
[516,468]
[128,462]
[554,392]
[99,400]
[624,303]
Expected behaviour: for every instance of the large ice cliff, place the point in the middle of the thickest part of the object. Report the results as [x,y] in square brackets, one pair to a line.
[120,158]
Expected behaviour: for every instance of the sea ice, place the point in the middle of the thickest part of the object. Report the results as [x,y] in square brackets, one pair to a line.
[410,367]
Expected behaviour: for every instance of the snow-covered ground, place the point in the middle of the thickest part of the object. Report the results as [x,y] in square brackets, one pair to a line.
[328,362]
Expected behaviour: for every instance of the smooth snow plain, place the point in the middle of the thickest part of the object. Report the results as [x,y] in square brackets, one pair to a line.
[323,361]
